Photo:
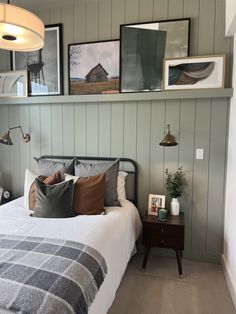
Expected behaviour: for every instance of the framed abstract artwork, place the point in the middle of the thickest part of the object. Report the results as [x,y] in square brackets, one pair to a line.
[94,67]
[13,84]
[194,72]
[44,66]
[143,48]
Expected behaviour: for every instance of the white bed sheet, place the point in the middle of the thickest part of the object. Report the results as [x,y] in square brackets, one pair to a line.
[113,235]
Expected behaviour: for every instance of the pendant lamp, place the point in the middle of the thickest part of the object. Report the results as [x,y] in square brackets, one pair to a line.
[169,139]
[20,30]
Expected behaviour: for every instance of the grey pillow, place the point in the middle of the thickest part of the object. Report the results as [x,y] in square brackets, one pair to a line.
[54,201]
[47,167]
[111,169]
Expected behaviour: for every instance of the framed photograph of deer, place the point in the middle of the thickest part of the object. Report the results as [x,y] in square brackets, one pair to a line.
[44,66]
[94,67]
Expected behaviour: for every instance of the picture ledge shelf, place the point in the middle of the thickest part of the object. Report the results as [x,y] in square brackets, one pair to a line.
[143,96]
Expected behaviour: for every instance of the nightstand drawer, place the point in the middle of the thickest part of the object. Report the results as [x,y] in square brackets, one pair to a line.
[165,242]
[163,230]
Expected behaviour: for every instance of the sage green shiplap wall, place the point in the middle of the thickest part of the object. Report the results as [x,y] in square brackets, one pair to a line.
[134,128]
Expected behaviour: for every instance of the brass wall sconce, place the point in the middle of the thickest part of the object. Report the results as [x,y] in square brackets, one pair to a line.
[6,139]
[169,139]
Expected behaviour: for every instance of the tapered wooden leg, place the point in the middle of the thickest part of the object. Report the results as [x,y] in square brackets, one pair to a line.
[146,254]
[179,262]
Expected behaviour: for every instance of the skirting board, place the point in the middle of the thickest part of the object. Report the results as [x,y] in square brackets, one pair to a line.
[228,280]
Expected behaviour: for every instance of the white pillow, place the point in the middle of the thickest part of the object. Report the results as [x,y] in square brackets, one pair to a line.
[121,185]
[29,179]
[70,177]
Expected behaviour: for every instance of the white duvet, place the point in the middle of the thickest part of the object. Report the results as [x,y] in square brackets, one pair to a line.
[113,235]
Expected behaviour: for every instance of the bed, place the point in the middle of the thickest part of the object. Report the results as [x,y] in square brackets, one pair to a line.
[113,235]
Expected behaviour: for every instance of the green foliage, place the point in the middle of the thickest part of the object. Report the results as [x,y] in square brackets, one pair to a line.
[175,182]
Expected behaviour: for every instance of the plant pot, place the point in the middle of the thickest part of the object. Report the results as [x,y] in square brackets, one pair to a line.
[174,206]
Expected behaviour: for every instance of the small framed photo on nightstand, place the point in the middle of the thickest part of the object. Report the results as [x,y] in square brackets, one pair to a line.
[155,202]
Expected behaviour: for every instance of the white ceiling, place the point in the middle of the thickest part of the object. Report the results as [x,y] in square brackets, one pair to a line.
[39,4]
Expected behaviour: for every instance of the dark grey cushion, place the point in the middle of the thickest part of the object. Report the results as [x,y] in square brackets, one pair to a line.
[54,201]
[47,167]
[111,169]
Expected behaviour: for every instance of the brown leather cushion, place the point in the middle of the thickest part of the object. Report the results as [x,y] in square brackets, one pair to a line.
[53,179]
[89,195]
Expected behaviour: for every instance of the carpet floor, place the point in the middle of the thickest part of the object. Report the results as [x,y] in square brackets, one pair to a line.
[159,290]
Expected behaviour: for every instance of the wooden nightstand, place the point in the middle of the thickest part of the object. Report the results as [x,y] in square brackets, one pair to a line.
[165,234]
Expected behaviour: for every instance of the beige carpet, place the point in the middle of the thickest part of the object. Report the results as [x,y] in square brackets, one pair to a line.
[159,290]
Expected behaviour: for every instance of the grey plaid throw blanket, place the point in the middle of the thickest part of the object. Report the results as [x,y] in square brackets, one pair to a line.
[39,275]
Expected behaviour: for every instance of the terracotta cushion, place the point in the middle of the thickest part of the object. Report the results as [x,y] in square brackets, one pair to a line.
[88,194]
[50,180]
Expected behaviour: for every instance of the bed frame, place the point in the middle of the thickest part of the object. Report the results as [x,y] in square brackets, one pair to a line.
[133,174]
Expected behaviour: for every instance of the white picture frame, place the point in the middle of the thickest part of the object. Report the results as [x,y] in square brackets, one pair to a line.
[13,84]
[158,201]
[194,72]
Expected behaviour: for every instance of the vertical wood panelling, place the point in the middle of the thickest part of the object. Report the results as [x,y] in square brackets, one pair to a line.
[104,20]
[117,17]
[130,129]
[4,149]
[145,10]
[191,9]
[55,15]
[160,11]
[45,130]
[92,22]
[104,129]
[186,157]
[134,129]
[143,148]
[117,129]
[131,11]
[81,130]
[216,175]
[57,129]
[67,20]
[206,27]
[156,151]
[79,33]
[172,118]
[35,131]
[222,44]
[68,129]
[24,149]
[176,9]
[92,129]
[15,152]
[201,170]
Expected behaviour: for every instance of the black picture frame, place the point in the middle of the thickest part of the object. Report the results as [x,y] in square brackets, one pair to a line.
[127,79]
[44,66]
[94,72]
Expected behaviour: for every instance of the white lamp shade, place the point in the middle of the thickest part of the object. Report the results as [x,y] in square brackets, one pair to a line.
[23,31]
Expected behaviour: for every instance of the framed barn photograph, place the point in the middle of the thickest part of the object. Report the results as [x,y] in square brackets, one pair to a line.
[45,66]
[94,67]
[154,203]
[194,72]
[13,84]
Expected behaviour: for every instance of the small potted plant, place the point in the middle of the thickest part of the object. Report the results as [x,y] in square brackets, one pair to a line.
[174,187]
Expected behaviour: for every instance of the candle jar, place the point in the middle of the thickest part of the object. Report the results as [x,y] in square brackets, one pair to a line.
[162,214]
